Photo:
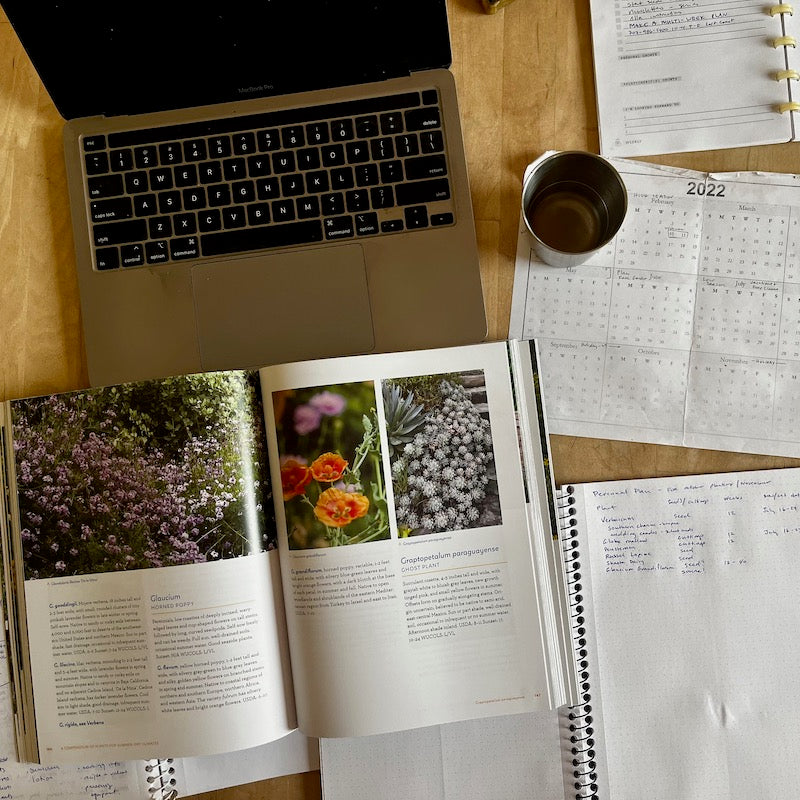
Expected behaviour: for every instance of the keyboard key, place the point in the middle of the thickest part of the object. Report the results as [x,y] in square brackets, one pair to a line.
[292,185]
[233,217]
[429,97]
[157,252]
[367,127]
[391,225]
[258,166]
[382,149]
[268,140]
[219,146]
[195,150]
[442,219]
[219,195]
[97,142]
[422,192]
[268,189]
[416,217]
[283,163]
[307,207]
[244,143]
[339,228]
[391,171]
[145,157]
[243,192]
[391,123]
[107,258]
[317,182]
[185,247]
[169,202]
[186,175]
[132,255]
[357,152]
[332,204]
[210,220]
[159,227]
[210,172]
[105,186]
[431,142]
[357,200]
[366,174]
[317,133]
[170,153]
[145,204]
[136,182]
[117,208]
[184,224]
[382,196]
[258,214]
[333,155]
[194,198]
[108,233]
[305,232]
[161,178]
[367,224]
[293,136]
[342,130]
[121,160]
[96,163]
[421,119]
[425,167]
[342,178]
[406,144]
[283,210]
[308,158]
[234,169]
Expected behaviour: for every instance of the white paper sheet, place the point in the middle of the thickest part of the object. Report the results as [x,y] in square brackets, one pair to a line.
[685,329]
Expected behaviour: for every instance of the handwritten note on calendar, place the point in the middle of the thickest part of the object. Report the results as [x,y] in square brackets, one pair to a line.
[685,329]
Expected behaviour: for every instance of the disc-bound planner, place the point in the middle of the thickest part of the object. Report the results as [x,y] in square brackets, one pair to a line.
[672,77]
[683,597]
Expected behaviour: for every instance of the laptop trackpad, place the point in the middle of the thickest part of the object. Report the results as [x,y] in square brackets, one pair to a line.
[269,309]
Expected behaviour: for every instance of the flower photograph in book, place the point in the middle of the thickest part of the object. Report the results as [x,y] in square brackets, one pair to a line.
[150,474]
[440,449]
[331,470]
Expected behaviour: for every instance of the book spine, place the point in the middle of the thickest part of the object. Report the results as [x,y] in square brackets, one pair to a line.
[576,722]
[161,781]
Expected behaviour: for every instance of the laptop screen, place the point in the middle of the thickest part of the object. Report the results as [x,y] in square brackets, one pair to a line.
[122,57]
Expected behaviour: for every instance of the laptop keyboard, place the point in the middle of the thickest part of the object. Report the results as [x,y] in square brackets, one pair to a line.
[346,170]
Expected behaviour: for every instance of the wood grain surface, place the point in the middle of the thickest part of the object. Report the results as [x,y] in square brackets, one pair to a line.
[526,85]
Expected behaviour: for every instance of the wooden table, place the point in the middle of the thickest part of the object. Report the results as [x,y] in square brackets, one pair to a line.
[526,85]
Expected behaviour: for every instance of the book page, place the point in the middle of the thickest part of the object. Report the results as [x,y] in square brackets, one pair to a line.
[408,575]
[683,330]
[501,757]
[146,571]
[692,615]
[676,76]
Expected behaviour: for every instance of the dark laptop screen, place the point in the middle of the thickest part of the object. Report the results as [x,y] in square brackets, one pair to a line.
[111,57]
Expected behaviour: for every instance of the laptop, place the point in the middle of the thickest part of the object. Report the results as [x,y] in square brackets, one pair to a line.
[259,182]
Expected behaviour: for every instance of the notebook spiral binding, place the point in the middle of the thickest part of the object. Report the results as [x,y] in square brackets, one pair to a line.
[577,720]
[161,783]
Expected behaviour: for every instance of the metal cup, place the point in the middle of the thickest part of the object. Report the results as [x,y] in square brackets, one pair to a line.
[573,204]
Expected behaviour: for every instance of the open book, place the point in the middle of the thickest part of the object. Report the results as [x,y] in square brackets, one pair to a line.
[347,546]
[683,597]
[673,76]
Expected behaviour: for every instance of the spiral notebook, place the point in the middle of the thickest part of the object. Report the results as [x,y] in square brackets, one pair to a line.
[672,77]
[684,615]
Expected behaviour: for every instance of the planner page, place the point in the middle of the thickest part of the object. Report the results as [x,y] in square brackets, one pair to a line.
[685,329]
[692,621]
[674,76]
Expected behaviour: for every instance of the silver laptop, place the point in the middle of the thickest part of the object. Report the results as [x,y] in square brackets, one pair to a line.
[259,182]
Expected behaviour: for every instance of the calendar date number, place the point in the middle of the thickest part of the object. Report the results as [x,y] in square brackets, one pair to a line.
[707,189]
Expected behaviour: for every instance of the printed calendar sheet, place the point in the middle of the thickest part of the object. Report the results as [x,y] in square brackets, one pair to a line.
[685,329]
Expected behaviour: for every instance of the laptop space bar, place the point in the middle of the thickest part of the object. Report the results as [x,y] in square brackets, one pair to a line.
[236,241]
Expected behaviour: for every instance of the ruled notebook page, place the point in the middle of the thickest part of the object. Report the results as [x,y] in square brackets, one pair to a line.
[675,76]
[693,586]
